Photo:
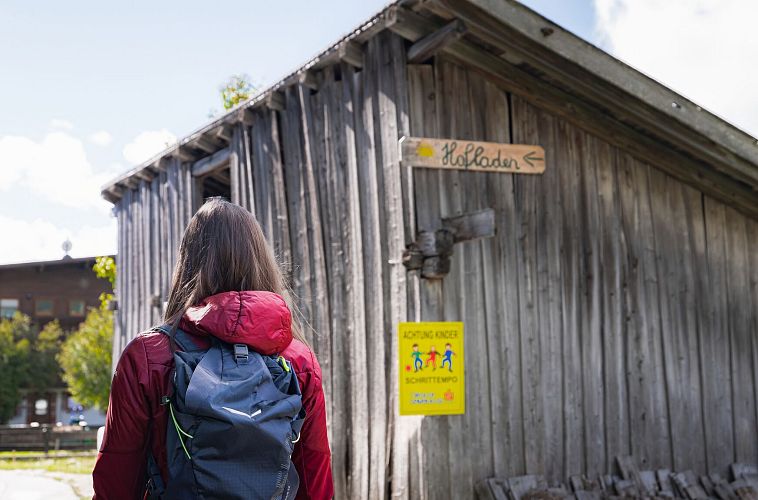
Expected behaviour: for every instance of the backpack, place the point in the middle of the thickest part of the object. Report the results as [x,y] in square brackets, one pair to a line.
[233,419]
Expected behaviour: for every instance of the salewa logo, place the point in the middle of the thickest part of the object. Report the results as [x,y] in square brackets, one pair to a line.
[237,412]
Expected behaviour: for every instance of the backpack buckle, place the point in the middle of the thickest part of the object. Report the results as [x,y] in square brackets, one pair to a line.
[240,353]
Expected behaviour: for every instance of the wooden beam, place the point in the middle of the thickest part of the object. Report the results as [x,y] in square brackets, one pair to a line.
[145,174]
[112,194]
[210,163]
[308,79]
[184,153]
[432,243]
[129,183]
[223,132]
[433,43]
[275,100]
[222,174]
[351,53]
[243,116]
[431,251]
[205,143]
[116,190]
[408,24]
[160,165]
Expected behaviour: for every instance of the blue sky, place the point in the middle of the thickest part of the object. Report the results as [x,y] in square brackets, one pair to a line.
[88,88]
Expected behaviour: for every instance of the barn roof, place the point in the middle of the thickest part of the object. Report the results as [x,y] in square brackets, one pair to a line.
[534,57]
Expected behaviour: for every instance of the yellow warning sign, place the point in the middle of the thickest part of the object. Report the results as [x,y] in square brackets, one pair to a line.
[432,368]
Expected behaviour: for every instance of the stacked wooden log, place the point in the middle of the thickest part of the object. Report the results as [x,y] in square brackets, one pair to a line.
[629,482]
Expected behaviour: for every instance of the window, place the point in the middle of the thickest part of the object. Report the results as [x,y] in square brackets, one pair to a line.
[44,307]
[76,308]
[8,307]
[40,407]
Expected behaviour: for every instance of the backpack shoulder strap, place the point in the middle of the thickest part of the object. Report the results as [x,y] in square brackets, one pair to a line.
[182,338]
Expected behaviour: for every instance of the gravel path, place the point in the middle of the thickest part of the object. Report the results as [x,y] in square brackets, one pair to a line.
[41,485]
[81,483]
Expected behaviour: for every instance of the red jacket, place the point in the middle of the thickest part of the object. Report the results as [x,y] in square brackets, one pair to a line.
[137,422]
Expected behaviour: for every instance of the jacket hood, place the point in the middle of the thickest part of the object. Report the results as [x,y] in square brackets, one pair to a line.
[259,319]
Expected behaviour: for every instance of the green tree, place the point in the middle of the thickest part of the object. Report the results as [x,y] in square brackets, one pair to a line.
[15,347]
[44,370]
[236,90]
[85,357]
[105,268]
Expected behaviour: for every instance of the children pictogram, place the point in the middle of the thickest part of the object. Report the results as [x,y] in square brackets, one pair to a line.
[417,363]
[448,357]
[432,358]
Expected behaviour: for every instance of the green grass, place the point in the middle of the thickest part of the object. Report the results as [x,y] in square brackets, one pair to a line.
[73,465]
[5,455]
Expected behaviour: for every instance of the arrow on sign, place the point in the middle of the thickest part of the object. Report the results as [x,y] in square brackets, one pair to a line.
[529,158]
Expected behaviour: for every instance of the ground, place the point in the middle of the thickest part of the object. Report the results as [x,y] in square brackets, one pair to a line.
[26,475]
[35,484]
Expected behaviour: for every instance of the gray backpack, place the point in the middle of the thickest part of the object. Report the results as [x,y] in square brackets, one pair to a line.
[234,417]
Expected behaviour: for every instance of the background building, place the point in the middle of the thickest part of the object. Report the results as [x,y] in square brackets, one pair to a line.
[60,289]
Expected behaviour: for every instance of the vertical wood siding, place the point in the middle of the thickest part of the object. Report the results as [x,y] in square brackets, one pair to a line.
[613,312]
[614,308]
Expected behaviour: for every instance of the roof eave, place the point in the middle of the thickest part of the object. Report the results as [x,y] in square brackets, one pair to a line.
[596,77]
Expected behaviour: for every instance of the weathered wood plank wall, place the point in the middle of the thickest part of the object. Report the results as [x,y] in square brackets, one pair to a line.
[613,313]
[151,219]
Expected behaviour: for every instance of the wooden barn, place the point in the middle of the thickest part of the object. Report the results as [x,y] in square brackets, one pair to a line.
[613,311]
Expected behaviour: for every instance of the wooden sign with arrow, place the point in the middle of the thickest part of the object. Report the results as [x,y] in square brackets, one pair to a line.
[472,155]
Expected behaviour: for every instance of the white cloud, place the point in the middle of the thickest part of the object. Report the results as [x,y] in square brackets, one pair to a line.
[101,138]
[11,171]
[61,124]
[41,240]
[704,49]
[56,168]
[147,144]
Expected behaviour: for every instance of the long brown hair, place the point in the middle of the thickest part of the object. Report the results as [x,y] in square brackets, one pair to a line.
[223,249]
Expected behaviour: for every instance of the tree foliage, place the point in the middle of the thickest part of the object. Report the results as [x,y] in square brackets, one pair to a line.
[86,358]
[105,267]
[27,360]
[14,361]
[45,372]
[236,90]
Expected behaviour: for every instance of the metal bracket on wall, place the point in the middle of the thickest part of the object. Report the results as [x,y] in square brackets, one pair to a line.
[431,251]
